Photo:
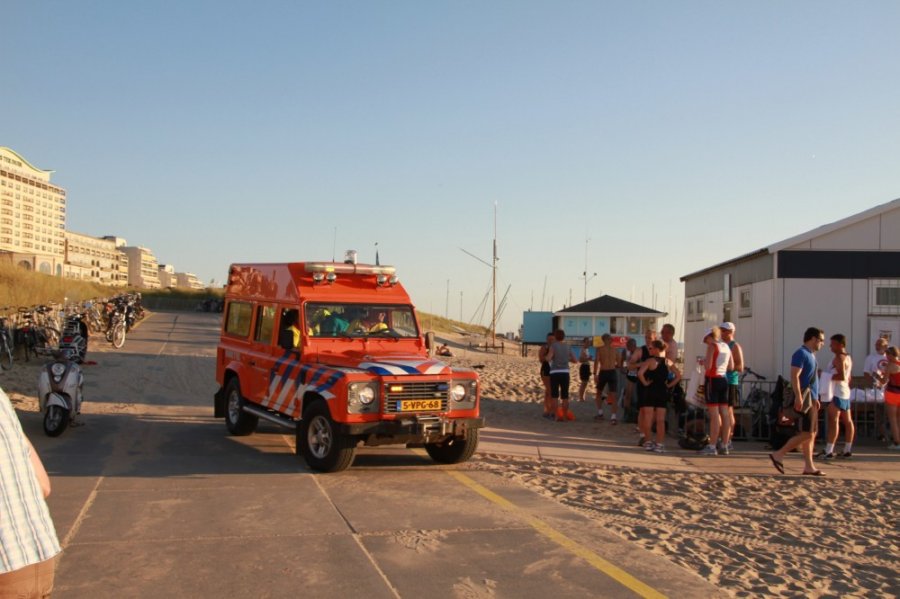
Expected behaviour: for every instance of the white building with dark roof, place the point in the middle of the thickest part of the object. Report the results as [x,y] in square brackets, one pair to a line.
[843,277]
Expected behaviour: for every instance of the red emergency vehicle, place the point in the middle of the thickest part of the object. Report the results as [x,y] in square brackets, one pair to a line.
[334,351]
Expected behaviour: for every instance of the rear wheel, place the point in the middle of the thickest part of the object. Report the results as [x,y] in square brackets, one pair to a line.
[455,449]
[323,447]
[239,422]
[56,419]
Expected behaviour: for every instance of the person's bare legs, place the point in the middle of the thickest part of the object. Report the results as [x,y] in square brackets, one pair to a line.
[660,414]
[645,423]
[548,403]
[849,427]
[727,424]
[831,424]
[714,424]
[893,414]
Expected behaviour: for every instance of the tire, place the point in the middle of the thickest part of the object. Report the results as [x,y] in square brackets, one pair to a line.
[118,336]
[455,450]
[239,422]
[56,419]
[320,443]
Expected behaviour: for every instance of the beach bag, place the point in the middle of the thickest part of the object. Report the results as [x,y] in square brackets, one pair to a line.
[787,404]
[695,441]
[696,388]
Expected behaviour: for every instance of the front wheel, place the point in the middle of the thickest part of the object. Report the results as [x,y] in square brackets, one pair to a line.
[55,421]
[239,422]
[323,447]
[118,336]
[455,449]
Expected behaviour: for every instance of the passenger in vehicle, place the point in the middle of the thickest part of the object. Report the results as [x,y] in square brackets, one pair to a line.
[290,335]
[334,325]
[378,323]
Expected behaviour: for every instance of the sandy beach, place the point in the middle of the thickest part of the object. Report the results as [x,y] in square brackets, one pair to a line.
[750,534]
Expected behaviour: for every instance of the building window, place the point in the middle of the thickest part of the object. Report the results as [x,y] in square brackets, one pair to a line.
[726,288]
[694,309]
[884,297]
[745,307]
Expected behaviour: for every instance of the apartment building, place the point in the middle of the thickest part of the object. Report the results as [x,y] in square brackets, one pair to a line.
[94,259]
[188,280]
[32,215]
[167,275]
[143,268]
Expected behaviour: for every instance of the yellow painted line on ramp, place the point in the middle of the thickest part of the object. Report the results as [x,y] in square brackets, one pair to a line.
[614,572]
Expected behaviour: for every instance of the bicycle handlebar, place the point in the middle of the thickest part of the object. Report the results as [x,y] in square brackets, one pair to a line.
[747,370]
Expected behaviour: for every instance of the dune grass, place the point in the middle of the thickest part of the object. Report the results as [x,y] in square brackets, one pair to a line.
[19,287]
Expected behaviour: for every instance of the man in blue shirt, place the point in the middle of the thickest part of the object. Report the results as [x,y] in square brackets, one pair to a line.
[804,375]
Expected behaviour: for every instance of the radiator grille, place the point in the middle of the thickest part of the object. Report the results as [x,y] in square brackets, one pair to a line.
[394,393]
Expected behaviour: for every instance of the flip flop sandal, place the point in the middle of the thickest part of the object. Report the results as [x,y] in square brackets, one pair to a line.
[814,473]
[778,465]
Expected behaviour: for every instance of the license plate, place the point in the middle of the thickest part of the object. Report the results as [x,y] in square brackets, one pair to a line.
[418,405]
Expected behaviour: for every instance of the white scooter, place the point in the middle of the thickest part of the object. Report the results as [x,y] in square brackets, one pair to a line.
[60,393]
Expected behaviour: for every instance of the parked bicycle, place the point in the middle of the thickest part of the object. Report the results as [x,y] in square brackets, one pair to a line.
[6,342]
[757,402]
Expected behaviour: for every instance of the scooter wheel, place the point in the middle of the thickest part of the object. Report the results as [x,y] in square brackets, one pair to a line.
[56,420]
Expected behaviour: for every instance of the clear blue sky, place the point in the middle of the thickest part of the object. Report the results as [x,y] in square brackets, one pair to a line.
[673,135]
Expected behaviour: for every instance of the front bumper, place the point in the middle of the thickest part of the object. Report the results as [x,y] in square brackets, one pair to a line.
[413,429]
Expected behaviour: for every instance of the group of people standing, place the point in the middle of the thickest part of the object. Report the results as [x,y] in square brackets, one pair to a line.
[650,369]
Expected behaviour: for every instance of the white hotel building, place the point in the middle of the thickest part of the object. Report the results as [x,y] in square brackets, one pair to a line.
[32,215]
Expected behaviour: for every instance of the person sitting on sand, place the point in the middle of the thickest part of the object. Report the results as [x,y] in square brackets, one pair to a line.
[443,350]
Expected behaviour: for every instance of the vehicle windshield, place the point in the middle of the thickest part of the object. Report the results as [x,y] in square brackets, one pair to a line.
[360,320]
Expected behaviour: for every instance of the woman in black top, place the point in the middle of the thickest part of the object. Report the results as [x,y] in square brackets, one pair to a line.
[658,375]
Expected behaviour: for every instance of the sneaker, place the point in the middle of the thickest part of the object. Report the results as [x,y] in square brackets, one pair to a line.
[641,441]
[570,415]
[649,445]
[612,421]
[598,418]
[730,446]
[724,451]
[719,446]
[827,456]
[894,447]
[659,449]
[846,455]
[708,450]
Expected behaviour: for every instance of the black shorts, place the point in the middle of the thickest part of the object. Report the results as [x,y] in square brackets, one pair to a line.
[610,378]
[584,372]
[545,368]
[559,385]
[655,399]
[733,396]
[632,378]
[716,392]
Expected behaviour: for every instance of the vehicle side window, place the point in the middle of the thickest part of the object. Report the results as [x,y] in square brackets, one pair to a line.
[239,318]
[265,324]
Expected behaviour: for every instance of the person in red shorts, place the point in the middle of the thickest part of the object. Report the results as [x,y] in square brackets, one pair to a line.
[890,377]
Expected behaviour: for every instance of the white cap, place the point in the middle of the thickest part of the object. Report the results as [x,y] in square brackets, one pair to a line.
[728,326]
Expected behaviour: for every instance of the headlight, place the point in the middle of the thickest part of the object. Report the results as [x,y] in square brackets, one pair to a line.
[366,395]
[361,394]
[458,392]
